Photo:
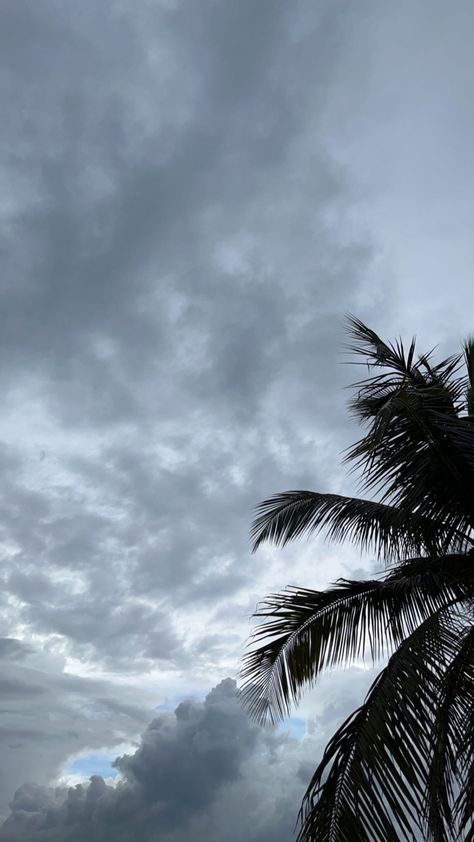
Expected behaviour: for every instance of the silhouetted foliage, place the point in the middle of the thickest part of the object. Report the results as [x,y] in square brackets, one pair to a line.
[402,764]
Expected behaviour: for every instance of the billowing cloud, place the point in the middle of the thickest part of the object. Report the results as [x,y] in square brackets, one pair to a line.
[48,715]
[203,773]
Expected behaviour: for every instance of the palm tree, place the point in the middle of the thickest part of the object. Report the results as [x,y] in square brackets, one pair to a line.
[402,765]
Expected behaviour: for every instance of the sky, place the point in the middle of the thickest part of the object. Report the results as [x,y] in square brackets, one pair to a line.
[193,195]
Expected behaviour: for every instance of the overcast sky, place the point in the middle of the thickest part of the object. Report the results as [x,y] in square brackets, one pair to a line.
[193,195]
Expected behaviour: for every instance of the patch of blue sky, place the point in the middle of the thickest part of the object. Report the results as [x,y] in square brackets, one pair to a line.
[294,726]
[92,764]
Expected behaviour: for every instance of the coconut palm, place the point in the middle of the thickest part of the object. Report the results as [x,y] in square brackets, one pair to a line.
[402,765]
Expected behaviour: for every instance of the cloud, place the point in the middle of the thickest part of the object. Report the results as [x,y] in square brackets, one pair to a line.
[205,773]
[176,263]
[186,189]
[141,194]
[48,715]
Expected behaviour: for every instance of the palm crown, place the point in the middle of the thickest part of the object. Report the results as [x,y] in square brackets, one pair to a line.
[402,764]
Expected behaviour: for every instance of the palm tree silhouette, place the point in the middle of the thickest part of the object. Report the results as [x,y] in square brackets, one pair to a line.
[402,764]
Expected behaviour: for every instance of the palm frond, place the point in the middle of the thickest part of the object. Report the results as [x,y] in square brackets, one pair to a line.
[418,448]
[462,725]
[437,384]
[307,631]
[403,763]
[378,527]
[459,438]
[451,725]
[371,781]
[366,343]
[422,462]
[469,360]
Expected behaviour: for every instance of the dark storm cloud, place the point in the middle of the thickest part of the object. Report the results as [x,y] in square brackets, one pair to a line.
[176,264]
[204,773]
[129,198]
[175,268]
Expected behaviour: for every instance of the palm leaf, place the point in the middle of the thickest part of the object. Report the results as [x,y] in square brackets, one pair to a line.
[422,462]
[436,383]
[403,763]
[469,360]
[370,784]
[449,739]
[462,723]
[379,527]
[418,449]
[307,631]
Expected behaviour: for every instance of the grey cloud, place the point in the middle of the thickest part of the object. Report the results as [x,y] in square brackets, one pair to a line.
[176,266]
[13,649]
[126,632]
[16,687]
[48,715]
[204,773]
[175,269]
[184,289]
[180,243]
[158,237]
